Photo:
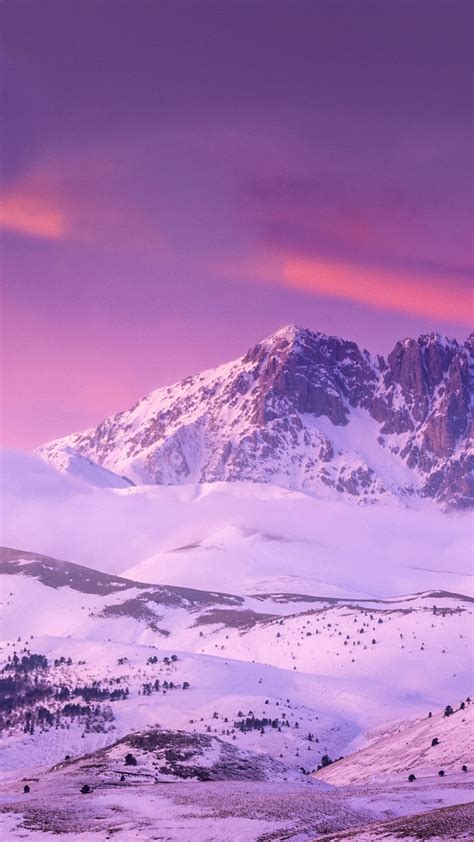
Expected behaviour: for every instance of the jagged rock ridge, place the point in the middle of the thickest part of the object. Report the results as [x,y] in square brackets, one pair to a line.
[307,411]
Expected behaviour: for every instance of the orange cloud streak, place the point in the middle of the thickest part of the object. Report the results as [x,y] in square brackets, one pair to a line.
[383,290]
[33,216]
[448,299]
[44,207]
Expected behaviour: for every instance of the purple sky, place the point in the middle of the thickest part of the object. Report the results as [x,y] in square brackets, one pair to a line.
[182,178]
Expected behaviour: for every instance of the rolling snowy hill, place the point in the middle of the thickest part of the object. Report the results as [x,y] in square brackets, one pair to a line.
[325,649]
[248,694]
[422,747]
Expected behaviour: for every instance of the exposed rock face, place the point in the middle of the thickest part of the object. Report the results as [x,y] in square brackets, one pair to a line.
[322,377]
[428,389]
[310,411]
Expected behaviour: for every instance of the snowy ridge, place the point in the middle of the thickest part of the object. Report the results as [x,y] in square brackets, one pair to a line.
[422,747]
[71,462]
[306,411]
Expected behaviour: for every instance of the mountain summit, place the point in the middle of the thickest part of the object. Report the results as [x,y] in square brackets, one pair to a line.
[303,410]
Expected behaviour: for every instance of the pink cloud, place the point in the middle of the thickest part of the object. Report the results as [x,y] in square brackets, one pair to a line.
[407,293]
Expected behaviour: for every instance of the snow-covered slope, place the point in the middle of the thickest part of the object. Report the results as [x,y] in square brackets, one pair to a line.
[350,641]
[223,688]
[307,411]
[422,747]
[72,463]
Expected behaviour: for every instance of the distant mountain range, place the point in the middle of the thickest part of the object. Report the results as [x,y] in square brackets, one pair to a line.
[304,411]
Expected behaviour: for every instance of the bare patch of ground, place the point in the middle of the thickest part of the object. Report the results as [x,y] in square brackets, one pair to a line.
[449,823]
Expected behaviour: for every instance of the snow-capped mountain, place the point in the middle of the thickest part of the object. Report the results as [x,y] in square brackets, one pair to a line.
[307,411]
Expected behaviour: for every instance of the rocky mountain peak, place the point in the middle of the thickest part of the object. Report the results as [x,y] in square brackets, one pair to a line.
[295,341]
[305,410]
[419,364]
[311,373]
